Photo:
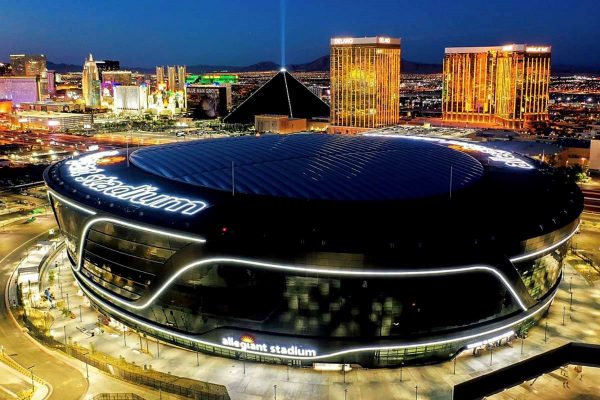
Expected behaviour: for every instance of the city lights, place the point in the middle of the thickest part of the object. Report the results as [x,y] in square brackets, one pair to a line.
[300,200]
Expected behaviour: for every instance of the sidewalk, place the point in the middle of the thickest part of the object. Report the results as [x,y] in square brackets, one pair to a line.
[560,384]
[15,384]
[582,323]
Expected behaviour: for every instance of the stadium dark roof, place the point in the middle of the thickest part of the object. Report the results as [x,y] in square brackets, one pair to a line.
[350,192]
[317,167]
[281,95]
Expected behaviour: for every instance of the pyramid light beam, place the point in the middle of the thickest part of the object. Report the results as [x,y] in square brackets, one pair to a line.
[282,23]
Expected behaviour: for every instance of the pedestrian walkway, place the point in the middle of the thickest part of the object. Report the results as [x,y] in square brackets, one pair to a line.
[575,318]
[571,381]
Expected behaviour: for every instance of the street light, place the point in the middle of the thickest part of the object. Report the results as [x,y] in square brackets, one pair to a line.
[455,364]
[401,365]
[32,383]
[87,372]
[522,340]
[275,391]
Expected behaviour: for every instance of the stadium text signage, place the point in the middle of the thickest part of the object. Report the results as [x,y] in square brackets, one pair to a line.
[248,343]
[501,156]
[86,171]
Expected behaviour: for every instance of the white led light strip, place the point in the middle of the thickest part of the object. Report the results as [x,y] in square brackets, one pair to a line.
[72,204]
[117,221]
[322,356]
[317,270]
[301,269]
[283,267]
[527,256]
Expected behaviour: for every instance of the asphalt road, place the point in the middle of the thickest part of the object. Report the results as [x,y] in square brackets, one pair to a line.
[67,382]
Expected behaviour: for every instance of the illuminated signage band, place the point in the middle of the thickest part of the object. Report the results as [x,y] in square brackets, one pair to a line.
[537,49]
[343,41]
[87,172]
[501,156]
[247,343]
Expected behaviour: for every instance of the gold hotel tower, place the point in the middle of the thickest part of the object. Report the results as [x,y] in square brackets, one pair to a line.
[504,85]
[365,83]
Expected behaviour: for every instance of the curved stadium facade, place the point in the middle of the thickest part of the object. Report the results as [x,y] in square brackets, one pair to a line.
[298,249]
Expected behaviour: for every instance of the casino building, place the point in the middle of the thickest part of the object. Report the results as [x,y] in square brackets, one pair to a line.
[375,250]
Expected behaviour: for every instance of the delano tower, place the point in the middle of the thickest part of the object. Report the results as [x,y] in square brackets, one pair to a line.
[365,83]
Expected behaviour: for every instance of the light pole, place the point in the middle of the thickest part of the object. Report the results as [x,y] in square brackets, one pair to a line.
[571,302]
[87,371]
[65,330]
[32,382]
[345,393]
[564,311]
[522,340]
[80,315]
[124,338]
[455,365]
[546,331]
[401,366]
[275,391]
[571,285]
[417,392]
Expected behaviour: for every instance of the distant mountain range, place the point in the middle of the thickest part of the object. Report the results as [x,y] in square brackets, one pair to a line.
[320,64]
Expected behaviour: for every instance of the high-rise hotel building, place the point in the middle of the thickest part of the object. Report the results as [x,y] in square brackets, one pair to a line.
[365,83]
[90,83]
[503,85]
[28,64]
[160,76]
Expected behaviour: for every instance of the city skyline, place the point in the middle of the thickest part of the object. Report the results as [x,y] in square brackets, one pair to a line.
[224,35]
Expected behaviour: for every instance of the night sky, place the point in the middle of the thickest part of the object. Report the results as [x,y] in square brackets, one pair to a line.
[242,32]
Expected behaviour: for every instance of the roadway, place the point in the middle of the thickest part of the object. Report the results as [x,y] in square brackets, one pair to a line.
[67,382]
